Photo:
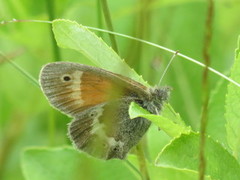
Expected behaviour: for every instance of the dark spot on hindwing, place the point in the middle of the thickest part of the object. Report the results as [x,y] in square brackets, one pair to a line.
[93,113]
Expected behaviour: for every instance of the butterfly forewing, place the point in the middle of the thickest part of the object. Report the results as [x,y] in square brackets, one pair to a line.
[72,87]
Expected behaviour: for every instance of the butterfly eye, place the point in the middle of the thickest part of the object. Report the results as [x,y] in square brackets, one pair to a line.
[66,78]
[140,102]
[93,114]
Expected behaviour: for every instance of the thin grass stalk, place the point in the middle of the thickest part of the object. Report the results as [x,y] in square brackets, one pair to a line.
[99,17]
[56,57]
[108,21]
[142,161]
[205,89]
[51,16]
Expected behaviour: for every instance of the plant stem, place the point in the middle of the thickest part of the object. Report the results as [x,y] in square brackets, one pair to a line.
[21,70]
[99,17]
[142,162]
[51,16]
[205,90]
[143,24]
[109,24]
[168,50]
[11,135]
[133,168]
[56,57]
[140,40]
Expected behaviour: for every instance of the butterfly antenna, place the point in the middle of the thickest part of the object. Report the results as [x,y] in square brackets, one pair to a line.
[165,71]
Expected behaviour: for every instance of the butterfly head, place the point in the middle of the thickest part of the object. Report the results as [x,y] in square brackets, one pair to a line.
[158,95]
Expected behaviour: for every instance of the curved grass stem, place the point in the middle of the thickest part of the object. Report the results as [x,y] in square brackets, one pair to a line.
[143,41]
[108,21]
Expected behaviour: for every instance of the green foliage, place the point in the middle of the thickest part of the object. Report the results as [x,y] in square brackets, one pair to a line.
[66,163]
[71,35]
[216,122]
[163,122]
[232,109]
[169,172]
[45,163]
[183,153]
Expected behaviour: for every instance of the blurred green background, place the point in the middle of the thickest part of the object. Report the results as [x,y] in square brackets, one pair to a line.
[25,115]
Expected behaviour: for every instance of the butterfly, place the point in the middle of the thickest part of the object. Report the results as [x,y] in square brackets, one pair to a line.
[98,102]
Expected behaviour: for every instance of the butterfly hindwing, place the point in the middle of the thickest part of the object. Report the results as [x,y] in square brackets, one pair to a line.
[109,133]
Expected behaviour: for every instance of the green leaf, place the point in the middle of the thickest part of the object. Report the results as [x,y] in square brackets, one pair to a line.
[72,35]
[174,173]
[237,51]
[233,109]
[68,164]
[168,173]
[183,153]
[164,123]
[216,120]
[169,113]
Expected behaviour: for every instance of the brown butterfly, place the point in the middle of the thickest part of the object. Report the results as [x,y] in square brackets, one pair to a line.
[98,100]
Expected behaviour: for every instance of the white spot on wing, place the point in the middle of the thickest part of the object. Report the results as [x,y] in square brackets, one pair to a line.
[76,88]
[97,126]
[112,142]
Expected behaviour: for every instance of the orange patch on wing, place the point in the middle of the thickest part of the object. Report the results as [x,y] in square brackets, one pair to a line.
[96,89]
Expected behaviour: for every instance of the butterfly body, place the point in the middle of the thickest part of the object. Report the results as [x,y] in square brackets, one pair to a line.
[98,100]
